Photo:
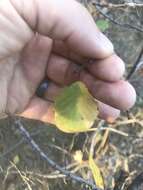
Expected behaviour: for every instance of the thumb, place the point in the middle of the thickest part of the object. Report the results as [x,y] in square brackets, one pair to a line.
[67,21]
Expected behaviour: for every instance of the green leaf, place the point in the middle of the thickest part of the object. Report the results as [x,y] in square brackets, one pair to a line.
[102,24]
[96,173]
[75,109]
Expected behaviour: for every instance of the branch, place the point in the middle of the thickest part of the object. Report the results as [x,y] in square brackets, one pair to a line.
[136,65]
[124,5]
[11,149]
[124,25]
[37,149]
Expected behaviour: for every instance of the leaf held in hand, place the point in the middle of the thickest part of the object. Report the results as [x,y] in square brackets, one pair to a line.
[75,109]
[96,173]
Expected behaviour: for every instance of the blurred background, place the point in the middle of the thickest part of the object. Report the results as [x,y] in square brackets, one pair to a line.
[117,150]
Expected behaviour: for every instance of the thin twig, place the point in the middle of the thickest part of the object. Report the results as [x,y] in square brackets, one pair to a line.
[23,177]
[37,149]
[124,5]
[124,25]
[132,156]
[30,173]
[103,142]
[52,175]
[93,140]
[43,176]
[70,166]
[11,149]
[129,121]
[135,65]
[111,130]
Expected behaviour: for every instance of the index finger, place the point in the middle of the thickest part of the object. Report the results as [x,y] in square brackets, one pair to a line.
[68,21]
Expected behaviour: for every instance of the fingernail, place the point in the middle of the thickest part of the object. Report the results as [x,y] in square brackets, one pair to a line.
[42,88]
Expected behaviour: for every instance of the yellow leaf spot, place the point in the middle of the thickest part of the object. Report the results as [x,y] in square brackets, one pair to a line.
[16,159]
[78,156]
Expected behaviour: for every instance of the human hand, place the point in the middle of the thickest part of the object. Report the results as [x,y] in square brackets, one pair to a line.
[51,39]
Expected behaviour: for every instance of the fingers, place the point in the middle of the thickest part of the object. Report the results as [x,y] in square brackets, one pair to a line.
[120,94]
[61,48]
[52,92]
[39,109]
[42,110]
[67,21]
[107,112]
[110,69]
[63,71]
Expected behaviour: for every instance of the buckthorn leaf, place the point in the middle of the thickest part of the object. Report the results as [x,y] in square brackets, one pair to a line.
[75,109]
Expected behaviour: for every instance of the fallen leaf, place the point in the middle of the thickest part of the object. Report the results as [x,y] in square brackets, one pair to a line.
[96,173]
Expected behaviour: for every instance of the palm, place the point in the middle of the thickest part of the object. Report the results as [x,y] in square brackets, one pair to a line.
[20,75]
[29,67]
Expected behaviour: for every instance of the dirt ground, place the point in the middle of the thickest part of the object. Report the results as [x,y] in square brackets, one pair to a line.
[118,153]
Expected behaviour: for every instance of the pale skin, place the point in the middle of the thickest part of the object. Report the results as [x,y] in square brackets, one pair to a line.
[52,39]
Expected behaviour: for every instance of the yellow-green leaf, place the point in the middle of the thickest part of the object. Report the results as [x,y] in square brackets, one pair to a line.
[96,173]
[16,159]
[78,156]
[75,109]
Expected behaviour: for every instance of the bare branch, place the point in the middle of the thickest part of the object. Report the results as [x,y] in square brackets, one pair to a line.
[124,5]
[136,64]
[37,149]
[124,25]
[14,147]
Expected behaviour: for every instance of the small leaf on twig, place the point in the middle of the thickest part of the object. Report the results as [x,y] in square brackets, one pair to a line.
[16,159]
[102,25]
